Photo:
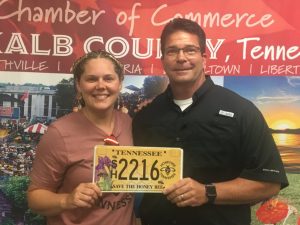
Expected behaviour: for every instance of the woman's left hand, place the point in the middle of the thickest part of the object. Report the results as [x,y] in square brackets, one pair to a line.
[84,195]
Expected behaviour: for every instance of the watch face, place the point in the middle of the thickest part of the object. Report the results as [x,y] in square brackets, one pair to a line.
[211,192]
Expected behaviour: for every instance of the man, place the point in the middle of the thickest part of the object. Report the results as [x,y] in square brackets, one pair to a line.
[230,158]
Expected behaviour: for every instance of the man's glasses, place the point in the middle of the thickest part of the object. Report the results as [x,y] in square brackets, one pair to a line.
[188,51]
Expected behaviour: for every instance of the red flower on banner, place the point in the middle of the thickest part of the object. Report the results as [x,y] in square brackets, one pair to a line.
[272,211]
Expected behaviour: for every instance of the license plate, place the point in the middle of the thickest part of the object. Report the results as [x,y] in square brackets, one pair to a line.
[136,169]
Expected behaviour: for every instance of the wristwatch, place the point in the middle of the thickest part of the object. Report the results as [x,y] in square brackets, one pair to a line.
[211,193]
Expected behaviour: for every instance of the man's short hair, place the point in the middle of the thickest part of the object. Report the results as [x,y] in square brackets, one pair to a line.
[186,25]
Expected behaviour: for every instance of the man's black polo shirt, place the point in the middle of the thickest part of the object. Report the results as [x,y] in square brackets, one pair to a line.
[223,136]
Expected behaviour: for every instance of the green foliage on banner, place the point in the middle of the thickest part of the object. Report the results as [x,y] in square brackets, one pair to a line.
[15,190]
[32,218]
[7,221]
[65,96]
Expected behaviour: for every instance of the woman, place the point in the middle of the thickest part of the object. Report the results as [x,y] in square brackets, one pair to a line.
[61,185]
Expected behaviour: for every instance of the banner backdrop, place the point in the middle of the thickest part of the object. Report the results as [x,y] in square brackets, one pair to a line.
[260,37]
[252,48]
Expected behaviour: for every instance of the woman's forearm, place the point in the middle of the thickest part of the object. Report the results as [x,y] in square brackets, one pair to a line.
[46,203]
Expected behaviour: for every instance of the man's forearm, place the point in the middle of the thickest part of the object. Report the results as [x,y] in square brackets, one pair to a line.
[243,191]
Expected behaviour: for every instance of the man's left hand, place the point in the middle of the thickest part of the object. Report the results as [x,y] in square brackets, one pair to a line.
[186,192]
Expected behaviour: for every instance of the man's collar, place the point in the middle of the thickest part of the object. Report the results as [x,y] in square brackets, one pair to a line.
[207,84]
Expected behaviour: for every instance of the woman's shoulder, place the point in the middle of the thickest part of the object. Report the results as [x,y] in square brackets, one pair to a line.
[71,117]
[123,116]
[70,122]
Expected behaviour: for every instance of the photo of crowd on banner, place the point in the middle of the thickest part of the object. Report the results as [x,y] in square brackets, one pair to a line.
[26,111]
[18,147]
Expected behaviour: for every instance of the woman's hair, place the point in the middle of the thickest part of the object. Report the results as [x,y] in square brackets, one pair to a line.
[78,66]
[186,25]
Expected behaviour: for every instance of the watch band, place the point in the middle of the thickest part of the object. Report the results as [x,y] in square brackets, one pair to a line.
[211,193]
